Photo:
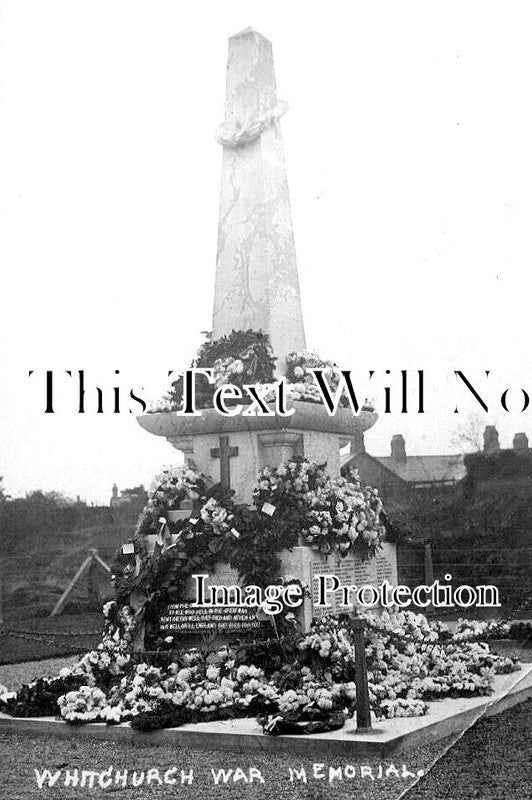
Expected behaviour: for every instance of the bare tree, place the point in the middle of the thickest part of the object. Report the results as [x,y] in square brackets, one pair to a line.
[469,434]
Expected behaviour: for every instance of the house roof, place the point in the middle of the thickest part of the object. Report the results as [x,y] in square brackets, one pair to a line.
[427,469]
[418,469]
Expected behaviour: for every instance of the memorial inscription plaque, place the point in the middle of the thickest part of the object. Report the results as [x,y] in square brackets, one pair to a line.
[188,622]
[180,618]
[351,571]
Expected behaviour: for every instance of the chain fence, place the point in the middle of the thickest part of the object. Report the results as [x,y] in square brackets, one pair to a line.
[31,585]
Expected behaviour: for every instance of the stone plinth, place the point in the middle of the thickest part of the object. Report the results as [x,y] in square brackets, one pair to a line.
[221,624]
[261,441]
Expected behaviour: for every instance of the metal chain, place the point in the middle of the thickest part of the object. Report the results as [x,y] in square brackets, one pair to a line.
[22,635]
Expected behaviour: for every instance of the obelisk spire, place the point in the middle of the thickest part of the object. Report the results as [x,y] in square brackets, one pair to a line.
[256,272]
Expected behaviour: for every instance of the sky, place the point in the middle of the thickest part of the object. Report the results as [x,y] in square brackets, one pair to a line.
[407,146]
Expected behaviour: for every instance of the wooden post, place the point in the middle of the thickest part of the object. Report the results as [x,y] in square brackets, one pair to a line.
[91,561]
[361,676]
[100,561]
[64,597]
[92,585]
[429,569]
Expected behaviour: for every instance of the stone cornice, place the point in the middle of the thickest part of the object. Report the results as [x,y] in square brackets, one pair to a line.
[307,417]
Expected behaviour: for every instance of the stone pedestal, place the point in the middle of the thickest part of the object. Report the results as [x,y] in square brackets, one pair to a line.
[268,441]
[261,441]
[221,624]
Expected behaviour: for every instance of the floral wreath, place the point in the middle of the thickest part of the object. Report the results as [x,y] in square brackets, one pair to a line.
[246,357]
[186,527]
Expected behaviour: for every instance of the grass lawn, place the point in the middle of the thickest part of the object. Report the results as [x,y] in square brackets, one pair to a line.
[492,761]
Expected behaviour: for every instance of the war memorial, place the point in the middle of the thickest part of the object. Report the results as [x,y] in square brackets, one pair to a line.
[217,614]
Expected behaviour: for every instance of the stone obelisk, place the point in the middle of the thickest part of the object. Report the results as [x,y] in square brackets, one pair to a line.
[256,273]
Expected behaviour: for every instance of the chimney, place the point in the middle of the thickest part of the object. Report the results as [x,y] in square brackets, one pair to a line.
[521,443]
[398,449]
[491,439]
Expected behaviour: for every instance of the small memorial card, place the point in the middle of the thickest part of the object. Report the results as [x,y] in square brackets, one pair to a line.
[128,548]
[163,529]
[173,539]
[268,509]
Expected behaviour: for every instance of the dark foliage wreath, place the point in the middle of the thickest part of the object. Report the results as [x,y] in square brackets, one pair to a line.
[251,348]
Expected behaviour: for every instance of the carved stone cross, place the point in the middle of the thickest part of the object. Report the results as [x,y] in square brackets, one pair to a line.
[224,453]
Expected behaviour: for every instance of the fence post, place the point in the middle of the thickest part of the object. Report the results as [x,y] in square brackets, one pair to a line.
[92,559]
[92,585]
[429,568]
[361,676]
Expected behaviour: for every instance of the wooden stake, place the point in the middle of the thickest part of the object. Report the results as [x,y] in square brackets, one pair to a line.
[92,559]
[429,569]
